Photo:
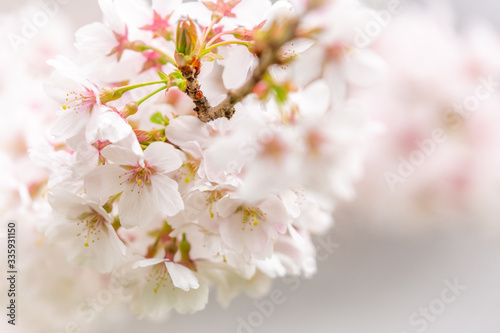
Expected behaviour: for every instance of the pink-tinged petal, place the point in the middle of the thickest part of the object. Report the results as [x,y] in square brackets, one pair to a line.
[163,157]
[69,123]
[136,207]
[275,210]
[182,277]
[187,128]
[167,198]
[120,155]
[105,181]
[227,206]
[116,242]
[237,64]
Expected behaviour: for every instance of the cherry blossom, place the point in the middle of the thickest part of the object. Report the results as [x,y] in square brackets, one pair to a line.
[142,181]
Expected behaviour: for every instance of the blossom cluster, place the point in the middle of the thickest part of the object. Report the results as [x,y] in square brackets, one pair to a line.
[205,143]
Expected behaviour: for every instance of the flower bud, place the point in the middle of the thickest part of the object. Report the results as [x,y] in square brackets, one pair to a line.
[106,95]
[129,109]
[186,41]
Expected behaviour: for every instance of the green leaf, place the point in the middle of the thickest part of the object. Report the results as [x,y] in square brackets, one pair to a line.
[176,74]
[281,94]
[159,119]
[163,76]
[181,85]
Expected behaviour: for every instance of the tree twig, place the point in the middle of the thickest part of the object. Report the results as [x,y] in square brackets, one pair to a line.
[269,54]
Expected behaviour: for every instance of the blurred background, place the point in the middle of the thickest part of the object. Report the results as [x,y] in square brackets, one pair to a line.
[395,262]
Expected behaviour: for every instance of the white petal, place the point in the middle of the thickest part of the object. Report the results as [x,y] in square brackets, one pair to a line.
[165,8]
[105,181]
[147,262]
[111,16]
[163,156]
[187,128]
[67,204]
[95,38]
[115,240]
[237,64]
[69,123]
[364,68]
[314,100]
[290,201]
[136,207]
[250,12]
[296,46]
[275,210]
[120,155]
[167,198]
[182,277]
[227,206]
[109,127]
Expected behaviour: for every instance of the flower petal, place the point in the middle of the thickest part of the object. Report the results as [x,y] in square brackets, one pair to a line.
[182,277]
[105,181]
[163,156]
[136,207]
[120,155]
[167,198]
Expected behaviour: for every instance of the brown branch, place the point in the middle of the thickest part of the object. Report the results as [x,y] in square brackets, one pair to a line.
[268,52]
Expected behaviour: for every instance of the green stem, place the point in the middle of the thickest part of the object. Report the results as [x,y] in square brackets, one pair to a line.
[135,86]
[230,42]
[139,102]
[218,36]
[169,58]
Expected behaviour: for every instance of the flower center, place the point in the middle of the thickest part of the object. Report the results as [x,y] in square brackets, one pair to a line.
[91,225]
[80,101]
[138,176]
[160,276]
[251,217]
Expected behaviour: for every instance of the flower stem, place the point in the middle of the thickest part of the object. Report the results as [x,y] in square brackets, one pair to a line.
[139,102]
[229,42]
[218,36]
[135,86]
[167,57]
[207,31]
